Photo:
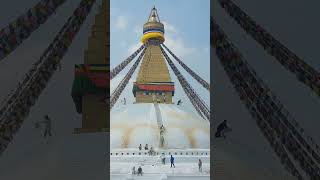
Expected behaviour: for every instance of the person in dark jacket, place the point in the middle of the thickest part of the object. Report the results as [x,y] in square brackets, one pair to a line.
[140,171]
[172,161]
[200,165]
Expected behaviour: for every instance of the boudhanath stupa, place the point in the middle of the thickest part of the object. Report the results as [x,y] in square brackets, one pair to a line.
[156,119]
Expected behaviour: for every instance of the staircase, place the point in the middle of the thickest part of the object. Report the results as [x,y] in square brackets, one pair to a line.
[150,161]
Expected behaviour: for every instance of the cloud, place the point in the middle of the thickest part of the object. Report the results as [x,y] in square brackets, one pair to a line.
[179,47]
[169,28]
[176,43]
[121,23]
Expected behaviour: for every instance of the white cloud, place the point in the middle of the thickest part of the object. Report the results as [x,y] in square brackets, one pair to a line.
[179,47]
[169,28]
[121,23]
[176,43]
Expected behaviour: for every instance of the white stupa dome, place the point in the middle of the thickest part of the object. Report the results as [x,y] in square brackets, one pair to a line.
[136,124]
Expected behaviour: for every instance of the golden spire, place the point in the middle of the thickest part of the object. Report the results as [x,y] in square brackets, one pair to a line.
[153,81]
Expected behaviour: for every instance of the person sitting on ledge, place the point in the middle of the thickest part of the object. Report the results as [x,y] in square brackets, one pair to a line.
[140,171]
[151,151]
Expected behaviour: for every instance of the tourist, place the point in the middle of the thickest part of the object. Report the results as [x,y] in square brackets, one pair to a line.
[163,158]
[47,122]
[134,170]
[164,98]
[124,101]
[161,140]
[172,161]
[151,152]
[139,171]
[200,165]
[146,147]
[162,129]
[140,147]
[222,129]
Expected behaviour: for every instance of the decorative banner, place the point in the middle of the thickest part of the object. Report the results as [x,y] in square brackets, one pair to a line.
[156,87]
[22,27]
[303,71]
[89,78]
[16,108]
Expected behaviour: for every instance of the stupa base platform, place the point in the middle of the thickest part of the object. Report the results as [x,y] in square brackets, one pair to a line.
[186,164]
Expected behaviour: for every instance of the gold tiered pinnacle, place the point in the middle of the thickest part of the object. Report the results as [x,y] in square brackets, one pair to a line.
[153,67]
[95,113]
[153,82]
[98,43]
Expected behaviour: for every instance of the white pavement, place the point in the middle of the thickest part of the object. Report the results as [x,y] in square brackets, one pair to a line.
[186,164]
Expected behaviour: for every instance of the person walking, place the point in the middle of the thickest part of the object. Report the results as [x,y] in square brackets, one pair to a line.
[200,165]
[172,161]
[163,159]
[134,170]
[140,147]
[47,128]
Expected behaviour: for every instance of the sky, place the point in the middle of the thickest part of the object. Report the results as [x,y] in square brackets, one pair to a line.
[292,23]
[186,32]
